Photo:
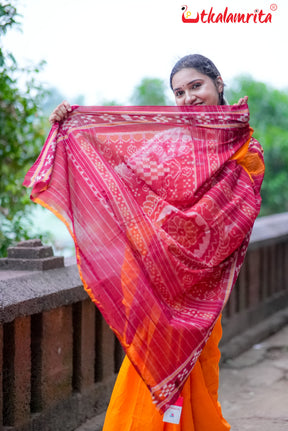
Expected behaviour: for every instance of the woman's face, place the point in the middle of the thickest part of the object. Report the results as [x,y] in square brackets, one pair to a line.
[191,87]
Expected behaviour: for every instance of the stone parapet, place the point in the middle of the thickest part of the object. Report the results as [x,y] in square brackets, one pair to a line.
[32,292]
[59,358]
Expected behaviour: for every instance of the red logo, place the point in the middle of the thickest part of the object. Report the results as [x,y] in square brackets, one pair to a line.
[257,16]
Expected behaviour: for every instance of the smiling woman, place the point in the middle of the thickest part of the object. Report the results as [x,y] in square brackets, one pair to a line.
[195,80]
[160,202]
[191,87]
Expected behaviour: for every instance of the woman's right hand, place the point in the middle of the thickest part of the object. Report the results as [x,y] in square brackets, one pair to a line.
[60,112]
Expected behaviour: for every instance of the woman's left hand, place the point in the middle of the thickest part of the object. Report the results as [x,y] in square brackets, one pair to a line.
[241,101]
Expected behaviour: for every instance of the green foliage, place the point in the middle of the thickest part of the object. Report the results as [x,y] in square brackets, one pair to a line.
[8,14]
[23,130]
[150,91]
[269,119]
[22,134]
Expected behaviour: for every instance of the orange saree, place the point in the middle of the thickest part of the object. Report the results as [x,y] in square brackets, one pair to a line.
[131,407]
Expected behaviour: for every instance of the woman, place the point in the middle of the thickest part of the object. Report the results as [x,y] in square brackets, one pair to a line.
[194,81]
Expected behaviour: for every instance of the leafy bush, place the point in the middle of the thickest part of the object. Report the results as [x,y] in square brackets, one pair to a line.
[22,132]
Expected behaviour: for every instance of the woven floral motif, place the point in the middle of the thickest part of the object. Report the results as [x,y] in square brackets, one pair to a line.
[160,202]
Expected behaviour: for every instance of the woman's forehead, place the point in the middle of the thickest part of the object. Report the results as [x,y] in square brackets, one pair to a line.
[186,76]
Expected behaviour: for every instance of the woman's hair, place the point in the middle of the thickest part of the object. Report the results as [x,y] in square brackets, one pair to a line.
[201,64]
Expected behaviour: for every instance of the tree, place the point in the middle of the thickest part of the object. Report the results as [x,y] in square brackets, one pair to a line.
[22,132]
[269,119]
[150,91]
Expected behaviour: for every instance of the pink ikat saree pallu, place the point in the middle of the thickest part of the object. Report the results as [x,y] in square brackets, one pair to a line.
[160,202]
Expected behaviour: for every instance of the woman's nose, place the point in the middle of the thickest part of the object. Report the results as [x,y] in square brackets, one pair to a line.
[189,98]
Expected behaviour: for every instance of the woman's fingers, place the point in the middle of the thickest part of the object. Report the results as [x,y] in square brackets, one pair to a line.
[241,101]
[66,105]
[60,112]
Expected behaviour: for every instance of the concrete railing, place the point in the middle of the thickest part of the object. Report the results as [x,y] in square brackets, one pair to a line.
[262,286]
[58,357]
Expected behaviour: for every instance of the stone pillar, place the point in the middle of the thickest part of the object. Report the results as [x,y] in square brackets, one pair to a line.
[84,344]
[16,372]
[243,285]
[31,255]
[254,277]
[105,341]
[56,356]
[108,342]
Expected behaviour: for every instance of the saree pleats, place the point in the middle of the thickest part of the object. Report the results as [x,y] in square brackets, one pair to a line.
[131,407]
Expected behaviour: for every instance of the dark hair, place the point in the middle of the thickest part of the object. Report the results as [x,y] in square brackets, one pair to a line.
[201,64]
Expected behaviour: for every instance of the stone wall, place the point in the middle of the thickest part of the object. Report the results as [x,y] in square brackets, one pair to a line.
[58,357]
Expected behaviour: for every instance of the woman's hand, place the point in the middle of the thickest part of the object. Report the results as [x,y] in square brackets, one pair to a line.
[241,101]
[60,113]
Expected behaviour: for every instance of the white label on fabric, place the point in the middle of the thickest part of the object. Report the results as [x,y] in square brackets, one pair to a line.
[173,414]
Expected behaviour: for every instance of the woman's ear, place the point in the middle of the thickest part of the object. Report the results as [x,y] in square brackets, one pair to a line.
[219,84]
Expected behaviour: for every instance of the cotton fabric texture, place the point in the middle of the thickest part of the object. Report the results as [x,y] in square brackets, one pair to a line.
[160,202]
[131,408]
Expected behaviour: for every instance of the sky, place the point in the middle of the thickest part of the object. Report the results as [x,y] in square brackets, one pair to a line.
[102,49]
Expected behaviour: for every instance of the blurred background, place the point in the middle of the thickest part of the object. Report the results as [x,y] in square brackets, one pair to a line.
[121,53]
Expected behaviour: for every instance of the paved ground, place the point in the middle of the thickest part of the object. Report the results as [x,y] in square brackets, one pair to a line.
[253,388]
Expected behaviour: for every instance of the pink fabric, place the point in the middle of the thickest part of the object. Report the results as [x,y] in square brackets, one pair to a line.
[161,218]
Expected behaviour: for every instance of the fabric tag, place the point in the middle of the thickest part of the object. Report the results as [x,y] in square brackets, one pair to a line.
[173,414]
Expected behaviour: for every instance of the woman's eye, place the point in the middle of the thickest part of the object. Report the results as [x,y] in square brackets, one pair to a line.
[197,85]
[179,93]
